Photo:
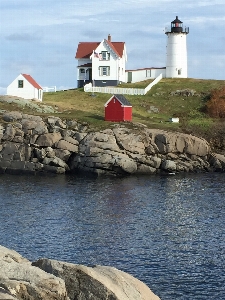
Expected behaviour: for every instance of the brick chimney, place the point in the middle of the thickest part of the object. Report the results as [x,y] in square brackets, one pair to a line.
[109,38]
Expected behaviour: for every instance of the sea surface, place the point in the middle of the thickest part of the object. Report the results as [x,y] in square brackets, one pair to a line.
[168,231]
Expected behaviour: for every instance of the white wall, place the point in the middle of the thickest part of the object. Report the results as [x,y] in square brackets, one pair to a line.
[117,65]
[27,92]
[144,74]
[176,57]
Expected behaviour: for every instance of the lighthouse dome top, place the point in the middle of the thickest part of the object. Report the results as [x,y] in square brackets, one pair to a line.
[177,21]
[177,27]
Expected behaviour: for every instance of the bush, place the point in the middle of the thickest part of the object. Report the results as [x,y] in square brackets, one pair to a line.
[215,107]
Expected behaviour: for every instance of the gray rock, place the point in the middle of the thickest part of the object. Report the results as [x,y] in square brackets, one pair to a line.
[62,154]
[217,161]
[48,139]
[71,140]
[129,141]
[32,118]
[144,169]
[12,116]
[63,144]
[53,169]
[34,127]
[20,280]
[168,165]
[55,161]
[9,133]
[79,136]
[126,164]
[98,282]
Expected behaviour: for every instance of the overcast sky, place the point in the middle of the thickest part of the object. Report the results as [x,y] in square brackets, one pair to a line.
[40,37]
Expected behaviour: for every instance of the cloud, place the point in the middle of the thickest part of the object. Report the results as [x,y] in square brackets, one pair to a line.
[53,30]
[24,37]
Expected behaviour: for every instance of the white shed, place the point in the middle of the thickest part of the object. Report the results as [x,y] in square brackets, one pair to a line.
[26,87]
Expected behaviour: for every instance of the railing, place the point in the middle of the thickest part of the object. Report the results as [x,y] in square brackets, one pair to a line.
[155,81]
[49,89]
[88,88]
[179,30]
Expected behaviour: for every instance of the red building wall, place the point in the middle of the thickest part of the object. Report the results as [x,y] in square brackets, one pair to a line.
[116,113]
[128,113]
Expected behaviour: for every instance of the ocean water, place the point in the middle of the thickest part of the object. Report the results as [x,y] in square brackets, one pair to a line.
[167,231]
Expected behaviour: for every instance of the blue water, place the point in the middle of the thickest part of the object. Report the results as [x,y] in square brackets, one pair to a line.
[168,231]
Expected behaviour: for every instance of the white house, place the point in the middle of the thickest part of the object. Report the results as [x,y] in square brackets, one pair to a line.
[26,87]
[101,63]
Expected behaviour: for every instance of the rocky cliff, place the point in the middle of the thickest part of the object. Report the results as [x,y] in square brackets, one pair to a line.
[32,144]
[48,279]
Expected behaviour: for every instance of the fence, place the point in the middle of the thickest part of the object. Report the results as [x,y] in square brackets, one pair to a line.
[49,89]
[124,91]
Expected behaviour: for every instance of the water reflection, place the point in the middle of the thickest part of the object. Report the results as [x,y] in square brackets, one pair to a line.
[167,231]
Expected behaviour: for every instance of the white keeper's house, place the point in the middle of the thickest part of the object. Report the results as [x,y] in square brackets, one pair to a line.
[26,87]
[101,63]
[104,63]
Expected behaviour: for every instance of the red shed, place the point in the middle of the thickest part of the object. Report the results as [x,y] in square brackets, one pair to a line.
[118,109]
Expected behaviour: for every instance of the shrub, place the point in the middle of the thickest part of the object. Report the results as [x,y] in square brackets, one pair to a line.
[215,107]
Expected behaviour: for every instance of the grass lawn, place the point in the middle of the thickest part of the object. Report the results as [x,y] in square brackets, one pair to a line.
[153,109]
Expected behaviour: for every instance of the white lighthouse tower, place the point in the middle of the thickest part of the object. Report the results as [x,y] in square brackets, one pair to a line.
[176,57]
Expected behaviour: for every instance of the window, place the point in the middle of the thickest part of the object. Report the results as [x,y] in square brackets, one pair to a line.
[82,70]
[105,55]
[20,84]
[104,71]
[179,71]
[148,73]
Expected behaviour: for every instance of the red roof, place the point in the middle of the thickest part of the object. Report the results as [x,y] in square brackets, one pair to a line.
[85,49]
[32,81]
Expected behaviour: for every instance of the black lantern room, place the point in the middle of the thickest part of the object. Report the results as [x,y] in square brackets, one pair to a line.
[177,27]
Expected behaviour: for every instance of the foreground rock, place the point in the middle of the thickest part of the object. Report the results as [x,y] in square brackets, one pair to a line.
[20,280]
[49,279]
[31,144]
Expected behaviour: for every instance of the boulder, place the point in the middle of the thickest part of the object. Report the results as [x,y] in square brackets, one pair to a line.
[168,165]
[97,282]
[217,161]
[11,116]
[65,145]
[48,139]
[20,280]
[129,140]
[9,133]
[34,127]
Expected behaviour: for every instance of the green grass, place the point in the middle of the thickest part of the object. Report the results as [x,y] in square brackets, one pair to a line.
[153,109]
[85,107]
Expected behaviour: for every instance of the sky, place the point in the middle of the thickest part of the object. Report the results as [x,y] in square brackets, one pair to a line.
[40,37]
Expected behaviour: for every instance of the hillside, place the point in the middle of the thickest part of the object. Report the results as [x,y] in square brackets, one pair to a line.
[183,98]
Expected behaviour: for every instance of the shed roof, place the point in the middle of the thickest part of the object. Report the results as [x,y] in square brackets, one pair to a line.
[32,81]
[121,99]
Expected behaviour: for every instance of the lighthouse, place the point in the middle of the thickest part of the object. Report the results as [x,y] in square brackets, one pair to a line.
[176,56]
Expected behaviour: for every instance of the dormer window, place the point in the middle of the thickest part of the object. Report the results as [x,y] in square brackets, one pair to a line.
[105,55]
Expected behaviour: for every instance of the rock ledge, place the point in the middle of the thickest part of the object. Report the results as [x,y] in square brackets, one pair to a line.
[48,279]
